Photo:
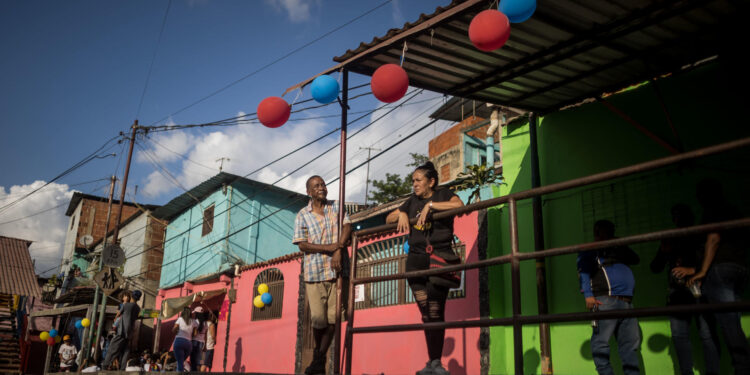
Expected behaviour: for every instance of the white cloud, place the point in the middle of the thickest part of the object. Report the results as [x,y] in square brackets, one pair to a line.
[251,146]
[297,10]
[47,229]
[396,14]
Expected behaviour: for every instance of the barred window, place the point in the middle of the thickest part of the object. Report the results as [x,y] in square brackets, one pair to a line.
[208,220]
[387,257]
[275,281]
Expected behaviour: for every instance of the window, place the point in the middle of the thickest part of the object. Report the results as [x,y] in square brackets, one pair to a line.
[275,281]
[72,221]
[386,258]
[208,220]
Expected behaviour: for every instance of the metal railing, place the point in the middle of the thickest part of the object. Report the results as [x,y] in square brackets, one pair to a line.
[515,257]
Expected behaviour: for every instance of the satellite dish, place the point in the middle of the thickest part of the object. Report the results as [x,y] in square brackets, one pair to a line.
[86,240]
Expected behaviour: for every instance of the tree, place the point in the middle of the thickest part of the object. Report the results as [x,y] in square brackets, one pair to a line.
[475,178]
[395,186]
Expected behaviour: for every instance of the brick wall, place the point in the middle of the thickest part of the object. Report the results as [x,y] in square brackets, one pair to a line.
[154,242]
[445,150]
[94,218]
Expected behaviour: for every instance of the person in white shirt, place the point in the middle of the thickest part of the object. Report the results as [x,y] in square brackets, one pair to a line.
[67,354]
[134,365]
[182,345]
[89,365]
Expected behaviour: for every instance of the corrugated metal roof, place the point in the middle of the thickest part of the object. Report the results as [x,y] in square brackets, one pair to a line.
[568,51]
[77,197]
[17,275]
[206,188]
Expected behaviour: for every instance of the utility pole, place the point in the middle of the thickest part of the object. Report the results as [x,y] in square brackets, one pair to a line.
[367,178]
[87,345]
[221,162]
[116,233]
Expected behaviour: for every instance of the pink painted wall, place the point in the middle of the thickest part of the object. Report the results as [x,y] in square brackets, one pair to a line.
[269,346]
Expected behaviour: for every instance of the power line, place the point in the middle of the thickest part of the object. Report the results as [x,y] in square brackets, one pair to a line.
[274,61]
[153,58]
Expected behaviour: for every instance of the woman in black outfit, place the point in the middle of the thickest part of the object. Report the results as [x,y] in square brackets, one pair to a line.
[429,240]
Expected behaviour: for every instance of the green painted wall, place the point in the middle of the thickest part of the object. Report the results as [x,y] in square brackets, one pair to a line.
[590,139]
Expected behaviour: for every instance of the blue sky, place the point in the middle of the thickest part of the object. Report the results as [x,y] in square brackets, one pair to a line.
[72,76]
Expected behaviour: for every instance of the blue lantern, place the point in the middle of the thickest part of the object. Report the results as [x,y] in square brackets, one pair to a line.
[324,89]
[266,298]
[52,332]
[517,10]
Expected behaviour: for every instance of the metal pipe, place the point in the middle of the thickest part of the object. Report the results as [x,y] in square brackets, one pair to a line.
[515,285]
[342,213]
[591,179]
[349,339]
[563,317]
[653,236]
[545,347]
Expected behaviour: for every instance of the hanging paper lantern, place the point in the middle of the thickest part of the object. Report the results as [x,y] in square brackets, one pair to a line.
[58,339]
[324,89]
[78,324]
[262,288]
[44,336]
[518,10]
[51,341]
[389,83]
[258,302]
[266,298]
[52,332]
[273,111]
[489,30]
[85,322]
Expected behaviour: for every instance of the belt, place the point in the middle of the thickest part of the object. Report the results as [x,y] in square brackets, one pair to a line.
[627,299]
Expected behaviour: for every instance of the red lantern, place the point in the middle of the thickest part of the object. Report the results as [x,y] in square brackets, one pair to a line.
[389,83]
[51,341]
[273,111]
[489,30]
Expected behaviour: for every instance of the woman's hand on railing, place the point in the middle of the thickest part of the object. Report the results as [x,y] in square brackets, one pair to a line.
[423,215]
[403,222]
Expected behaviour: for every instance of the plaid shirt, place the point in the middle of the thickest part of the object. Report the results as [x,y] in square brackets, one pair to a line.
[320,230]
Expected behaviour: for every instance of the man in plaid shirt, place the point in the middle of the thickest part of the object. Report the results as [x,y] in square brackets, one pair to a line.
[316,234]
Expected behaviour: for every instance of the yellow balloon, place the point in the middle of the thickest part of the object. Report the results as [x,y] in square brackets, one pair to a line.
[58,339]
[45,335]
[257,302]
[262,288]
[85,322]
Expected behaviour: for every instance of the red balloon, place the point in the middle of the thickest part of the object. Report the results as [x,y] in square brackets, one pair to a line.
[273,111]
[489,30]
[51,341]
[389,83]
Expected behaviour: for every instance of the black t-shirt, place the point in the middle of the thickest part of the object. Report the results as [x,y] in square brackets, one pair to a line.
[440,231]
[733,242]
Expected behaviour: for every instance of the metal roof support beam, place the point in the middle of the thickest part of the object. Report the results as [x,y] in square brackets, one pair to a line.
[583,42]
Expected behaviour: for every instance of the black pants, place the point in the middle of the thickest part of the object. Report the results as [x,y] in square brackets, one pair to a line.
[118,348]
[430,300]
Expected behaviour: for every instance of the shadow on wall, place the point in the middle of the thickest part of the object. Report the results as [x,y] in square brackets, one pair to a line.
[531,361]
[236,367]
[453,366]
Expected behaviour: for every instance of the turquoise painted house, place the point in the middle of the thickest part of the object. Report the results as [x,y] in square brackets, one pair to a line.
[217,225]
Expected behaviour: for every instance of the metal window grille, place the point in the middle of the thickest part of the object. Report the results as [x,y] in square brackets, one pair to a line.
[275,281]
[387,257]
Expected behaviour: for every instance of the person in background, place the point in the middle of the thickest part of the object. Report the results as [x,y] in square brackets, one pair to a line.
[168,361]
[428,241]
[119,346]
[199,337]
[607,284]
[208,355]
[723,270]
[182,344]
[317,235]
[67,353]
[679,255]
[134,364]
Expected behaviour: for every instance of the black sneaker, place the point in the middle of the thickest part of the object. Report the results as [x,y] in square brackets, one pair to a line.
[317,366]
[427,370]
[437,368]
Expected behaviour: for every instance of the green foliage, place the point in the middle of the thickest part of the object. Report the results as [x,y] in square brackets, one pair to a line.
[476,177]
[395,186]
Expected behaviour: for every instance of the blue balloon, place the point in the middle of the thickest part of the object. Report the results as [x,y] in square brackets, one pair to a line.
[406,247]
[52,332]
[517,10]
[78,324]
[266,298]
[324,89]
